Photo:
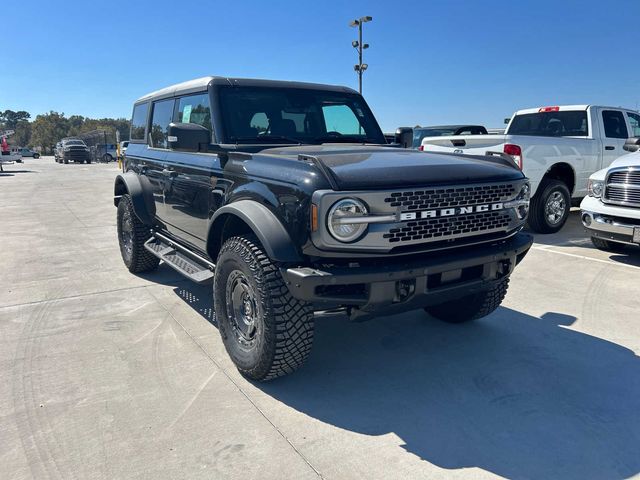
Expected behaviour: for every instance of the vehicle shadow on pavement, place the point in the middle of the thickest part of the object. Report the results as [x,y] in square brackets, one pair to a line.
[516,395]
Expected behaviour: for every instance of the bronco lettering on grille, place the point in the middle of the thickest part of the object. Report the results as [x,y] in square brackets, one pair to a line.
[451,212]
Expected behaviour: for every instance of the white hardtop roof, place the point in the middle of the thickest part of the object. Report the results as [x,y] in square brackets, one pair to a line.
[568,108]
[195,85]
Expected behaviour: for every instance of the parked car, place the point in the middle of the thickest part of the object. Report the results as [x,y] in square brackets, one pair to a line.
[557,148]
[288,198]
[26,152]
[74,150]
[105,152]
[611,210]
[445,131]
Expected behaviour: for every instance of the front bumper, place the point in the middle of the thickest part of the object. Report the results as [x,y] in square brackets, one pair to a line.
[405,285]
[610,222]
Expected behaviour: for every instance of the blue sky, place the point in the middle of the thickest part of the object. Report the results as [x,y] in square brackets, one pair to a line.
[430,62]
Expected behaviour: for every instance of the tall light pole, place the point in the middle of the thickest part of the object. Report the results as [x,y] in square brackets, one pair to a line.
[360,67]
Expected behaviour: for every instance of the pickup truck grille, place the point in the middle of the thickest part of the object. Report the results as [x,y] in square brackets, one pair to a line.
[622,187]
[446,227]
[451,197]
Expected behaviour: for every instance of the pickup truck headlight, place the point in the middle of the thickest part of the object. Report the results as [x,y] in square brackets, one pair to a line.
[338,220]
[595,188]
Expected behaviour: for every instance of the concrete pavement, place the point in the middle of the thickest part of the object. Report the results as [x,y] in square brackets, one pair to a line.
[104,374]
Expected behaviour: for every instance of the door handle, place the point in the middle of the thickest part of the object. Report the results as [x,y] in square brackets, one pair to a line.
[169,173]
[609,147]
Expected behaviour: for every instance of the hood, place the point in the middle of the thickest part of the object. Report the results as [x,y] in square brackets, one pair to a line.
[364,167]
[628,160]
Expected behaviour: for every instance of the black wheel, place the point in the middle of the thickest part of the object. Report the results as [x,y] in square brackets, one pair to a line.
[550,206]
[89,161]
[265,330]
[607,245]
[471,307]
[36,155]
[107,158]
[65,161]
[132,234]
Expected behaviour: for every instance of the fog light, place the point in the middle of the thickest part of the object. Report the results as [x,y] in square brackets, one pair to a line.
[404,289]
[586,219]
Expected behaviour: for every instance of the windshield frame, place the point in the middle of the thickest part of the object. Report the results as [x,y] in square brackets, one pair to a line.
[374,133]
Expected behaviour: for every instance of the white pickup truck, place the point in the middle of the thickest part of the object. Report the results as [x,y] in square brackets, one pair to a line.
[558,148]
[611,210]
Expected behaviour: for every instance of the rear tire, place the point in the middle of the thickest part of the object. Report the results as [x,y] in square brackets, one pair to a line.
[107,158]
[607,245]
[65,161]
[550,206]
[132,234]
[470,307]
[266,331]
[36,155]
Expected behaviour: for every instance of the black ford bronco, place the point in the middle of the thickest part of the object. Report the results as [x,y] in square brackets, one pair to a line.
[286,196]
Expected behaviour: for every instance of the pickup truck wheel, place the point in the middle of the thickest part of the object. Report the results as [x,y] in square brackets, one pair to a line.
[471,307]
[65,161]
[36,155]
[132,234]
[550,206]
[266,331]
[606,245]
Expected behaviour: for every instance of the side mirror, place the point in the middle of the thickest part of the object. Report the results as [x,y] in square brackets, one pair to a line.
[506,121]
[632,144]
[188,136]
[404,137]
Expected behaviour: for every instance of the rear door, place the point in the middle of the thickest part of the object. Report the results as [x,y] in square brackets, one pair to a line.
[189,188]
[615,133]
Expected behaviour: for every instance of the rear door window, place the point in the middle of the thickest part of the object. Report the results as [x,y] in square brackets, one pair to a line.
[195,109]
[341,119]
[614,124]
[139,121]
[162,114]
[634,121]
[571,123]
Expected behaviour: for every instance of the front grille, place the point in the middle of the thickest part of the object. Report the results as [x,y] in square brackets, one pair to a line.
[623,187]
[444,227]
[451,197]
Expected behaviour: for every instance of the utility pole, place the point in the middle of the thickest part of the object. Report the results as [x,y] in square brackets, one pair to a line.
[357,44]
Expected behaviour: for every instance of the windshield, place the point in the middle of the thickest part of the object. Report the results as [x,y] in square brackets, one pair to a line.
[74,142]
[287,115]
[551,124]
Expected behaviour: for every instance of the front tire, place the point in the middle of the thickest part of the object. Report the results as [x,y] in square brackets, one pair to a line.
[470,307]
[107,158]
[132,234]
[36,155]
[266,331]
[550,206]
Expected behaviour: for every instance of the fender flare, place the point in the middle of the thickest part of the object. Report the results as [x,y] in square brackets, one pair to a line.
[141,195]
[272,234]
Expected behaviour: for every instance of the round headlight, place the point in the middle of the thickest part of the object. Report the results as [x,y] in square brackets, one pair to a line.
[338,220]
[524,196]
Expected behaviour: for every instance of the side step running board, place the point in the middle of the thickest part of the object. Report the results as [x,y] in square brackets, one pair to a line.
[187,263]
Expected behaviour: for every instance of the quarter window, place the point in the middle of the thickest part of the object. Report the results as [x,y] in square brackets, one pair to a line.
[139,121]
[162,114]
[195,109]
[614,126]
[634,121]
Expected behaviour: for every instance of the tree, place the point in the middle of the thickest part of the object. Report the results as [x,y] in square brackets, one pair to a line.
[10,118]
[22,137]
[48,129]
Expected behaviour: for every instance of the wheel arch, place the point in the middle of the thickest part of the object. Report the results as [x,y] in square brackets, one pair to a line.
[140,193]
[248,216]
[563,172]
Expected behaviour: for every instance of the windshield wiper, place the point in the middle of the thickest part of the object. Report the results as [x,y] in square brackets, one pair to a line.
[269,137]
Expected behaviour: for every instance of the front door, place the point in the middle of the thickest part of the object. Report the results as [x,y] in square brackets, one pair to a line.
[615,134]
